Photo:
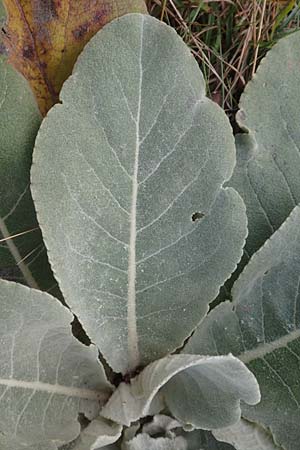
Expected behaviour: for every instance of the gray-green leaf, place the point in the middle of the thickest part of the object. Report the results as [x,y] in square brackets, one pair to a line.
[2,16]
[98,434]
[22,252]
[262,327]
[204,440]
[47,377]
[196,439]
[245,435]
[127,179]
[202,391]
[267,172]
[9,443]
[144,441]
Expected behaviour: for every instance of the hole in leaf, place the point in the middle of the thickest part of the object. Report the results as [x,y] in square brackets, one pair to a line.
[196,216]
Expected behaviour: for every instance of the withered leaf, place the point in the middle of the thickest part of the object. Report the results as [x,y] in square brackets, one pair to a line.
[44,37]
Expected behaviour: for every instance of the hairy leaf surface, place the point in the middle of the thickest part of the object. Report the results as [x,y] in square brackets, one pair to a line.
[208,397]
[245,435]
[268,167]
[22,252]
[163,426]
[262,328]
[204,440]
[44,38]
[9,443]
[196,439]
[144,441]
[2,20]
[47,377]
[127,180]
[98,434]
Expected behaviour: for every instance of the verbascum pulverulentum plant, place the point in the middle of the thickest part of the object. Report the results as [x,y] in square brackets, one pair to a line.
[143,212]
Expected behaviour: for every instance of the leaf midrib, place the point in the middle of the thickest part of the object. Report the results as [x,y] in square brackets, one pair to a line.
[133,350]
[268,347]
[58,389]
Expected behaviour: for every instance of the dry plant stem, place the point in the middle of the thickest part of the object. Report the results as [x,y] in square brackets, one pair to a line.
[18,234]
[196,43]
[18,258]
[225,36]
[259,36]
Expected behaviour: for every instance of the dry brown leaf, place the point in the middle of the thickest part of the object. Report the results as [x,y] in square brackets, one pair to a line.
[44,38]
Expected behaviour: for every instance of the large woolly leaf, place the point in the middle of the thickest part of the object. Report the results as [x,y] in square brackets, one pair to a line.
[262,327]
[127,179]
[22,253]
[47,377]
[201,391]
[9,443]
[44,38]
[245,435]
[267,172]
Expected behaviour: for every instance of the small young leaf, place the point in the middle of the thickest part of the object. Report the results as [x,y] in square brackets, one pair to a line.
[209,396]
[267,172]
[204,440]
[161,424]
[127,179]
[262,327]
[143,441]
[177,439]
[197,439]
[245,435]
[98,434]
[47,377]
[44,38]
[22,252]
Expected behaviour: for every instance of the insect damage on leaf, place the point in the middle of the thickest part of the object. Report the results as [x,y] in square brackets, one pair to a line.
[44,37]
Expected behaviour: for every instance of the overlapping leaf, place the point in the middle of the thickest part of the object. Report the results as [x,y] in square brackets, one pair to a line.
[144,441]
[204,440]
[245,435]
[262,327]
[268,166]
[44,38]
[9,443]
[202,391]
[98,434]
[22,252]
[47,377]
[196,440]
[167,427]
[127,179]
